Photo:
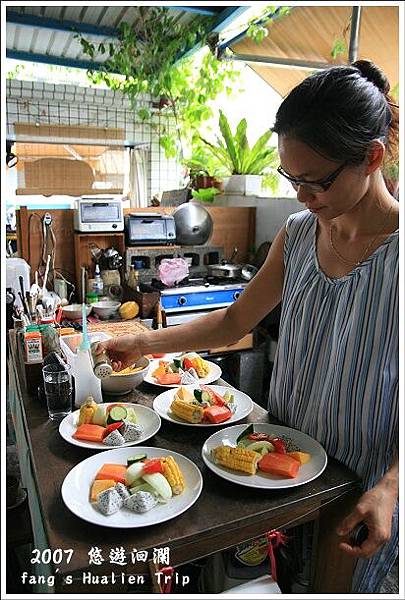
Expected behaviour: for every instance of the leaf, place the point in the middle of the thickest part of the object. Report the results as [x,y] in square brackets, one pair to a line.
[228,139]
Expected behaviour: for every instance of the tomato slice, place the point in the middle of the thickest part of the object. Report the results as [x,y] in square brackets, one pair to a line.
[158,355]
[187,364]
[153,465]
[111,428]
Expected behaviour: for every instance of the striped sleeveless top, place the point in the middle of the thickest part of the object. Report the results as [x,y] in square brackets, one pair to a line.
[335,374]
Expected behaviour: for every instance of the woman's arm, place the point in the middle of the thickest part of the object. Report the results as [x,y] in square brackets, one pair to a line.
[376,508]
[219,327]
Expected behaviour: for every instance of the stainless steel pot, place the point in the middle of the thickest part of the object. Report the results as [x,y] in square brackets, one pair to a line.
[193,224]
[224,271]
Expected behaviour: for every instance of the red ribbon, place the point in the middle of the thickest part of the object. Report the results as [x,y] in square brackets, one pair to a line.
[166,586]
[275,539]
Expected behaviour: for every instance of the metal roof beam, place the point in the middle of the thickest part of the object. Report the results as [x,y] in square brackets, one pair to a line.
[273,61]
[198,10]
[354,34]
[58,25]
[52,60]
[223,20]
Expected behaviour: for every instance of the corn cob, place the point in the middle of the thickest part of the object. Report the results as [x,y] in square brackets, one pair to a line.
[192,413]
[200,366]
[87,411]
[174,476]
[238,459]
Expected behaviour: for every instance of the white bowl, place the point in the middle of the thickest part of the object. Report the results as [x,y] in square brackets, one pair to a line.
[123,384]
[106,308]
[74,311]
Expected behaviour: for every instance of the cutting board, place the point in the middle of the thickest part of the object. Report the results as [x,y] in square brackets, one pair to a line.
[118,327]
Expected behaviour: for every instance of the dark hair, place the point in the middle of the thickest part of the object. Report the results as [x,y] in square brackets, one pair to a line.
[339,111]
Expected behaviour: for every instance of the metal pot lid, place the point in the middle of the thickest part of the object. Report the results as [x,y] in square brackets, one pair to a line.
[248,272]
[193,224]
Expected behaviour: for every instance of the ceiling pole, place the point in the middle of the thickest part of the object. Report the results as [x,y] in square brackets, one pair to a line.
[354,34]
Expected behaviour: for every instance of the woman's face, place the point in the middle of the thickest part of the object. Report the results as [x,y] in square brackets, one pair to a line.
[298,160]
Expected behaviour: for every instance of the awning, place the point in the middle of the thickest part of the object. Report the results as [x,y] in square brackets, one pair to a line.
[308,34]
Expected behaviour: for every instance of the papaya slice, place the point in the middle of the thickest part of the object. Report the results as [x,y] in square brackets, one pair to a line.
[111,471]
[279,464]
[169,379]
[99,485]
[89,432]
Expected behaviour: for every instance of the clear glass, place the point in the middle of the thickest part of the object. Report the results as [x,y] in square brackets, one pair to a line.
[58,390]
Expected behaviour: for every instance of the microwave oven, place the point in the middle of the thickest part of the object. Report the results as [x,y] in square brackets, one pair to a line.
[98,215]
[144,229]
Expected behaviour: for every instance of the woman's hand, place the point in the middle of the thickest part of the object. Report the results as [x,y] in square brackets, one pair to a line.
[123,350]
[375,508]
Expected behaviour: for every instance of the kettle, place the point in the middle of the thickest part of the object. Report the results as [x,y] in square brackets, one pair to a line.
[193,224]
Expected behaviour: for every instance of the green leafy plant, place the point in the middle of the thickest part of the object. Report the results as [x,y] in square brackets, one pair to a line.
[147,60]
[258,26]
[205,194]
[235,154]
[339,48]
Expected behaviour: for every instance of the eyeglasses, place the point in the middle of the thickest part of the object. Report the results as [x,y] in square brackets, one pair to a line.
[317,187]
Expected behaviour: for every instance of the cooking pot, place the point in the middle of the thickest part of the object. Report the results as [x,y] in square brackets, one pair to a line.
[226,269]
[193,224]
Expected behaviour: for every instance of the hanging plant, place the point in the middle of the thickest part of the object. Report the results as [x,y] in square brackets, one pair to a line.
[146,60]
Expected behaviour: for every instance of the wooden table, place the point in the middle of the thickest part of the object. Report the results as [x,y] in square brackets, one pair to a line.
[224,515]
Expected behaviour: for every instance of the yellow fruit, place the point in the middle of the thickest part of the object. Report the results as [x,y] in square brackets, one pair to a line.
[302,457]
[129,310]
[87,411]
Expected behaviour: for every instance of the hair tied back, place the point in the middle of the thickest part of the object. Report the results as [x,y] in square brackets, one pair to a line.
[372,73]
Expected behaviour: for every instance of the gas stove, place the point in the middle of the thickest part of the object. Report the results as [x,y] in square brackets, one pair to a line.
[196,296]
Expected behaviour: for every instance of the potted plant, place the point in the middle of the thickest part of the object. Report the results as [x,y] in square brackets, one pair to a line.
[245,165]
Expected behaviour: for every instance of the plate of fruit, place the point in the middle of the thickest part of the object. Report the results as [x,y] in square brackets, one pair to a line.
[123,489]
[265,456]
[202,405]
[170,371]
[108,425]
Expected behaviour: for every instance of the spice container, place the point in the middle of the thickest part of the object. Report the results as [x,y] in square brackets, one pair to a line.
[33,345]
[102,366]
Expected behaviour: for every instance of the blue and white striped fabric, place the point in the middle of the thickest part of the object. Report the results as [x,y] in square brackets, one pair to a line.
[335,373]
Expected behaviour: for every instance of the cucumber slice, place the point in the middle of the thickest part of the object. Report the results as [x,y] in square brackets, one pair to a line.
[177,362]
[205,397]
[173,367]
[134,459]
[198,395]
[228,397]
[116,414]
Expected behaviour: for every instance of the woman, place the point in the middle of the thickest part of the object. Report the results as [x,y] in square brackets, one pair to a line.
[335,268]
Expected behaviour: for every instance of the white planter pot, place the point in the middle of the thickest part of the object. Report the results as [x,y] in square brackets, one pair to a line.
[245,185]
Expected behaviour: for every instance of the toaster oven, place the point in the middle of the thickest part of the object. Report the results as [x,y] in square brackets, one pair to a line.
[143,229]
[98,214]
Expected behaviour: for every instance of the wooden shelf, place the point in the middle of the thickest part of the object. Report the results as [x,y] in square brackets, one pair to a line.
[83,255]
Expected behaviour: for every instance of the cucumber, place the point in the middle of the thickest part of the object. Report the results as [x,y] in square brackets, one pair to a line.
[205,397]
[260,446]
[173,367]
[228,397]
[177,363]
[198,395]
[117,414]
[134,459]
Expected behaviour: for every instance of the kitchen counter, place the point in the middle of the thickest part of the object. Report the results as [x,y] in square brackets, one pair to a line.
[224,515]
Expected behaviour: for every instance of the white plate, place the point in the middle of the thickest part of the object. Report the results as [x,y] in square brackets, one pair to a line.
[146,417]
[306,473]
[242,401]
[77,484]
[214,373]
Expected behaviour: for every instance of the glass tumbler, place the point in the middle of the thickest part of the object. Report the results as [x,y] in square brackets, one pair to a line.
[58,390]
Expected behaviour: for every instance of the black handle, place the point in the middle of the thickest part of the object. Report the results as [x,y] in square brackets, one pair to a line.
[21,279]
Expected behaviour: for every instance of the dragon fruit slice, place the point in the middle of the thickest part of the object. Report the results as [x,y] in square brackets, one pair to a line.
[109,501]
[132,432]
[141,502]
[122,490]
[114,439]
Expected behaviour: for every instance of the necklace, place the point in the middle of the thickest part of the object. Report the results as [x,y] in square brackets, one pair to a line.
[363,256]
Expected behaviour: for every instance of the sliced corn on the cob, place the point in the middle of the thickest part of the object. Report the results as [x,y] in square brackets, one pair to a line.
[192,413]
[173,474]
[238,459]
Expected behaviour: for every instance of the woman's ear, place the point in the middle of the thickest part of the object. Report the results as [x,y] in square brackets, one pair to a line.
[375,156]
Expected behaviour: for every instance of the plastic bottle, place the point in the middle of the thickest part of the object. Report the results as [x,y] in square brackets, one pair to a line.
[98,281]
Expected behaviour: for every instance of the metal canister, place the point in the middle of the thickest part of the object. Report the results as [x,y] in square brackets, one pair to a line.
[102,366]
